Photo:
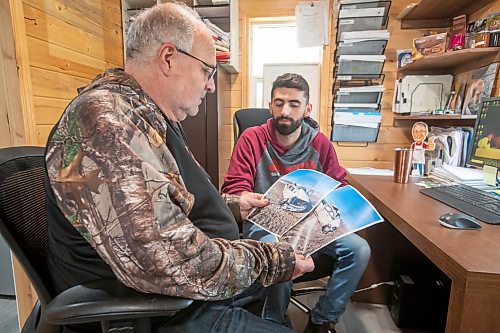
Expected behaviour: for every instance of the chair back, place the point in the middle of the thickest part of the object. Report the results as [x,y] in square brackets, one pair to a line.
[23,220]
[245,118]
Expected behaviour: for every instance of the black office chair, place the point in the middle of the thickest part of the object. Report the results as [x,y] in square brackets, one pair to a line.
[23,224]
[245,118]
[242,120]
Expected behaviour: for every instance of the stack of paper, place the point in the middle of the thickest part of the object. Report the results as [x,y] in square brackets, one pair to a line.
[361,94]
[221,40]
[355,107]
[362,89]
[362,12]
[358,36]
[450,174]
[360,119]
[346,2]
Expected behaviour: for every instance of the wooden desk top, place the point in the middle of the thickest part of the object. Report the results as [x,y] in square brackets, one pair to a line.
[463,255]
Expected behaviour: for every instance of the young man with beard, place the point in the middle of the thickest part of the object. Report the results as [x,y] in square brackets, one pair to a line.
[291,140]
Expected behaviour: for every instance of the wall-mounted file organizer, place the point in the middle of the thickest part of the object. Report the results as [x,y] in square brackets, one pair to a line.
[358,72]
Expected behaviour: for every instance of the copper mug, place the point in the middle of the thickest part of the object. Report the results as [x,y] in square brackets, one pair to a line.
[402,164]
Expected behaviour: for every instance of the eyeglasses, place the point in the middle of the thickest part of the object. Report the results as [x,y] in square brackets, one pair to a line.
[212,68]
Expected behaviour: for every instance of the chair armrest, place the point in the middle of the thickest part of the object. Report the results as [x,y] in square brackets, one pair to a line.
[106,300]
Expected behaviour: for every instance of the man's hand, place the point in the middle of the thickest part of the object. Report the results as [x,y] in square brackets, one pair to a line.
[249,200]
[302,265]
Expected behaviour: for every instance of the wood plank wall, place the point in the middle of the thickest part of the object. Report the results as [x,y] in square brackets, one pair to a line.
[379,154]
[69,42]
[60,46]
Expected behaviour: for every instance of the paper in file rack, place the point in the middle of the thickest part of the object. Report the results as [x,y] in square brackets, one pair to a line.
[355,107]
[355,126]
[360,23]
[370,43]
[362,12]
[354,36]
[361,119]
[348,2]
[369,66]
[362,94]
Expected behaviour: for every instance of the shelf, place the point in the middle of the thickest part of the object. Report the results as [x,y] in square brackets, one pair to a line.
[446,62]
[436,117]
[437,13]
[436,120]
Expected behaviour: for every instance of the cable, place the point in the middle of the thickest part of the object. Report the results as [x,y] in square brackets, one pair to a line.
[375,285]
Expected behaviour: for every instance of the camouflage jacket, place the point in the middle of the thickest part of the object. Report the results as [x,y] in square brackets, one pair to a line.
[118,184]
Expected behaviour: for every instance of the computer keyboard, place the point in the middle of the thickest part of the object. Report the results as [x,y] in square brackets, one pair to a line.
[472,201]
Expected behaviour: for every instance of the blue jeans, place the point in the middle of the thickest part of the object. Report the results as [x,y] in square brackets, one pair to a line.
[224,316]
[352,253]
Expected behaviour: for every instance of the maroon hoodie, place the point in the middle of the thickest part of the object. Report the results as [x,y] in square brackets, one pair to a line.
[259,159]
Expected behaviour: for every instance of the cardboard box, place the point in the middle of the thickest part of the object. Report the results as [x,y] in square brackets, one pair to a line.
[427,45]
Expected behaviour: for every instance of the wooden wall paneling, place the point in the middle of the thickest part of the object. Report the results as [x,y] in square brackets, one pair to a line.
[20,121]
[26,295]
[49,109]
[63,60]
[52,84]
[391,134]
[99,18]
[24,76]
[55,31]
[11,116]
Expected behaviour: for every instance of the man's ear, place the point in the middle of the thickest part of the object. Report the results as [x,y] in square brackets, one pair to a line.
[166,54]
[308,110]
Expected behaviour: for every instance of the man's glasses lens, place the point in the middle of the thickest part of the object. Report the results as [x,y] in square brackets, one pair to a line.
[213,68]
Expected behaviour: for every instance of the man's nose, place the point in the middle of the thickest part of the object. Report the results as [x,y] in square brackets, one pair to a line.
[286,109]
[210,86]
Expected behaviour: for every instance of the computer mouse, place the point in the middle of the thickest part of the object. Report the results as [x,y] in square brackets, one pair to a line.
[459,221]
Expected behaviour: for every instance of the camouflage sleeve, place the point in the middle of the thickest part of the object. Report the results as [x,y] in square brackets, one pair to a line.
[119,185]
[233,202]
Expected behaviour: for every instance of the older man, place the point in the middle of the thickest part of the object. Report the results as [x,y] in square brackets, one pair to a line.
[127,200]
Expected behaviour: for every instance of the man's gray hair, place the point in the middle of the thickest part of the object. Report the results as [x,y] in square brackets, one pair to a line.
[172,22]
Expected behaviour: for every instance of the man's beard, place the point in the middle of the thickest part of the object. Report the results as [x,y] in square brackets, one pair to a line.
[286,129]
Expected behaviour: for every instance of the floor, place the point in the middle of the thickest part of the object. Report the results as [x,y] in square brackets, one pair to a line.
[358,318]
[8,315]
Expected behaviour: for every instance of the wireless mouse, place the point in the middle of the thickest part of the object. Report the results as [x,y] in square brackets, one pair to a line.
[459,221]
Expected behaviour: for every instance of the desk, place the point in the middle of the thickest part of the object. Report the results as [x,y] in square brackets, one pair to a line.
[471,259]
